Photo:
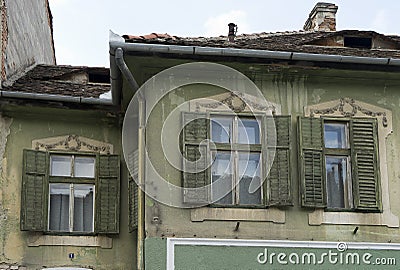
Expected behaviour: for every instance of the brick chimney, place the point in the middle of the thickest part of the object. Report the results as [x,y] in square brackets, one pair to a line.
[322,18]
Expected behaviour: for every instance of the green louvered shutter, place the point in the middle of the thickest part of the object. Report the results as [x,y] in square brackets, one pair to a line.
[365,169]
[133,192]
[34,186]
[311,162]
[108,197]
[277,187]
[133,205]
[196,129]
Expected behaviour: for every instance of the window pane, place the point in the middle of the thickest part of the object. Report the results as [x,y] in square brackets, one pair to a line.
[83,208]
[221,129]
[59,207]
[248,131]
[336,135]
[250,181]
[60,165]
[221,171]
[338,183]
[84,167]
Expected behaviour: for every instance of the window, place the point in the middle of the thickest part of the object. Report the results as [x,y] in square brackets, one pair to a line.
[337,169]
[358,42]
[339,163]
[71,205]
[235,172]
[70,193]
[227,156]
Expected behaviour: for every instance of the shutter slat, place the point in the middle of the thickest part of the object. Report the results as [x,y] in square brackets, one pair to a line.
[278,180]
[311,162]
[33,199]
[108,188]
[365,164]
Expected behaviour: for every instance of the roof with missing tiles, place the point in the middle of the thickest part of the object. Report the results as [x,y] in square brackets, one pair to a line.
[73,81]
[318,42]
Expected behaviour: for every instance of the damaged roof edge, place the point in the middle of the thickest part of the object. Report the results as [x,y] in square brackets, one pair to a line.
[117,41]
[52,97]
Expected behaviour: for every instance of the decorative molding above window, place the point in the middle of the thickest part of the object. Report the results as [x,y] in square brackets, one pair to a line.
[351,108]
[74,143]
[348,107]
[235,101]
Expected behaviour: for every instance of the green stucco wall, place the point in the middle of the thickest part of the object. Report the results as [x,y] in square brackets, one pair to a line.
[30,123]
[155,253]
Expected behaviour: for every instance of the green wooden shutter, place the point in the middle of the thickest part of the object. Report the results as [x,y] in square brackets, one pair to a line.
[34,186]
[108,196]
[365,169]
[311,160]
[277,187]
[133,192]
[133,205]
[195,130]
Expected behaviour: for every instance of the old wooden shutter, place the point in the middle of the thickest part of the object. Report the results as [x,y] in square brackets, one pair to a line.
[133,193]
[277,187]
[34,195]
[133,205]
[196,130]
[365,169]
[108,198]
[311,162]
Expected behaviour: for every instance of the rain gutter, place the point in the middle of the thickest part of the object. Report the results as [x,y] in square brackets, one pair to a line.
[250,53]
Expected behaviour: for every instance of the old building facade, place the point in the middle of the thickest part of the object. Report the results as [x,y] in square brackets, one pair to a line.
[61,175]
[270,150]
[263,150]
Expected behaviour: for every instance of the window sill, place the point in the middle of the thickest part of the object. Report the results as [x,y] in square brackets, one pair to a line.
[38,239]
[238,214]
[319,217]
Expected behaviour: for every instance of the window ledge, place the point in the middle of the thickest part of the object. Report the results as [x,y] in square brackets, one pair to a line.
[319,216]
[234,214]
[36,240]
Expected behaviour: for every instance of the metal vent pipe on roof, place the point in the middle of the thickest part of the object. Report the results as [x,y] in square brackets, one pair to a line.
[232,31]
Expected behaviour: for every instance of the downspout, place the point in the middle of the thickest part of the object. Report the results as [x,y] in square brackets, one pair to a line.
[119,60]
[141,196]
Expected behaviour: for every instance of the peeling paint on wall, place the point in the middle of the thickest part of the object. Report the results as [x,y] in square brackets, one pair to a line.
[316,95]
[5,124]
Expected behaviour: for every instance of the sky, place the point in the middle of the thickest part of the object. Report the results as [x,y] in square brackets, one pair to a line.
[81,27]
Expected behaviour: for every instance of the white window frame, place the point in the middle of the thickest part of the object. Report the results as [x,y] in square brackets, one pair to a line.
[235,156]
[71,191]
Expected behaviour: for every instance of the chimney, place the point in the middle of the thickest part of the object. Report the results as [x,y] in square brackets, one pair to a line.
[322,18]
[232,32]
